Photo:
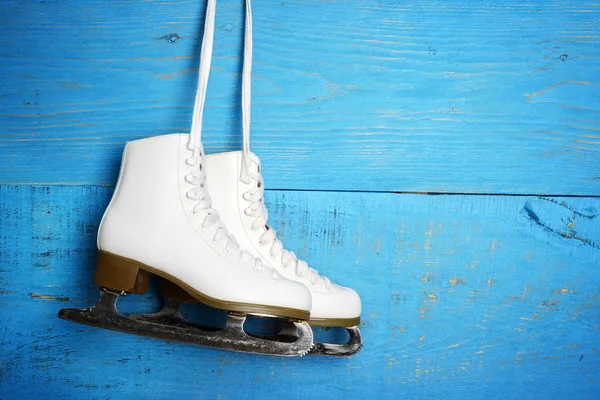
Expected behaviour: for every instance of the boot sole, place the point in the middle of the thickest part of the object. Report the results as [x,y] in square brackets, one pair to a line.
[171,291]
[123,274]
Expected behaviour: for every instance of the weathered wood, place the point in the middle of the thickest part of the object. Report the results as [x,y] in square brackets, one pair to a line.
[494,296]
[463,97]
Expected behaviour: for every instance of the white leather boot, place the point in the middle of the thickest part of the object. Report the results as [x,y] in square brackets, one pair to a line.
[237,188]
[161,221]
[241,206]
[161,218]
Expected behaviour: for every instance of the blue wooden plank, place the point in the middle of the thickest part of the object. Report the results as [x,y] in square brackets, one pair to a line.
[495,296]
[493,97]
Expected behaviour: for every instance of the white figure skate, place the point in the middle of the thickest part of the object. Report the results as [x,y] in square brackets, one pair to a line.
[160,221]
[236,186]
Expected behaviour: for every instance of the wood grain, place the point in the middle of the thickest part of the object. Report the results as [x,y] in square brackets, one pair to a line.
[495,296]
[455,97]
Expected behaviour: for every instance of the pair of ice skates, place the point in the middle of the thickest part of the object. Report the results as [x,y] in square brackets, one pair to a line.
[163,220]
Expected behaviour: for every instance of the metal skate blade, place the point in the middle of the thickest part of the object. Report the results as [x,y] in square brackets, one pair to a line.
[277,344]
[352,346]
[105,315]
[170,315]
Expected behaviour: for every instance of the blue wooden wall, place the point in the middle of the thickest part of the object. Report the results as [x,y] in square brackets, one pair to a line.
[441,157]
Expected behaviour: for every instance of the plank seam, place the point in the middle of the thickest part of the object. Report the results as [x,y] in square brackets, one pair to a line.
[587,196]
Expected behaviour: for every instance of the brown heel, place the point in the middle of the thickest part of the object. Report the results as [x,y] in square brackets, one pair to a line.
[170,291]
[121,274]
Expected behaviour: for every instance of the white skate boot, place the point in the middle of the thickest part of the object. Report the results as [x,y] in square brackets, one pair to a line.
[160,221]
[236,186]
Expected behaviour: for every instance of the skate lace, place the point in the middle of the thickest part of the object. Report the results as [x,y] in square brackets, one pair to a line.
[197,178]
[288,259]
[256,196]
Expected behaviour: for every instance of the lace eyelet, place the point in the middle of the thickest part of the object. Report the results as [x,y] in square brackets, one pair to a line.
[247,212]
[189,178]
[189,195]
[227,252]
[212,239]
[246,196]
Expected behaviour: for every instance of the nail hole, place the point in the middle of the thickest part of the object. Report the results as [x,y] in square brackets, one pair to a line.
[171,37]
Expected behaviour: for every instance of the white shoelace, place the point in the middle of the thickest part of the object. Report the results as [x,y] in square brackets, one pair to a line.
[246,90]
[256,196]
[197,178]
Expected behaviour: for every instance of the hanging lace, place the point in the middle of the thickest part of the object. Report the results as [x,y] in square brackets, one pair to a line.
[246,91]
[256,196]
[197,178]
